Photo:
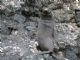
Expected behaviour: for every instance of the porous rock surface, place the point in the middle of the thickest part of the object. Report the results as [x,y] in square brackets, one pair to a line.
[19,21]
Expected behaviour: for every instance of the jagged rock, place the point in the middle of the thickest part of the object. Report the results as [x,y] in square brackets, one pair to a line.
[19,20]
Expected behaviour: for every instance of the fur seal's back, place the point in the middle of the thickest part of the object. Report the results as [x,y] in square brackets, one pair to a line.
[45,38]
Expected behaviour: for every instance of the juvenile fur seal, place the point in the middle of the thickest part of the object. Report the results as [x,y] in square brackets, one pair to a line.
[45,36]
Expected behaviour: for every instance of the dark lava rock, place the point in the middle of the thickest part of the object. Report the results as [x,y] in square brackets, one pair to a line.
[77,17]
[68,1]
[4,29]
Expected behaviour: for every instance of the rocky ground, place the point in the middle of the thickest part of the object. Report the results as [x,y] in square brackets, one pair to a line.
[19,21]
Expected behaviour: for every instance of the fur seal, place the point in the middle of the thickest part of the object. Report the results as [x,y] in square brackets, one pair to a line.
[45,36]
